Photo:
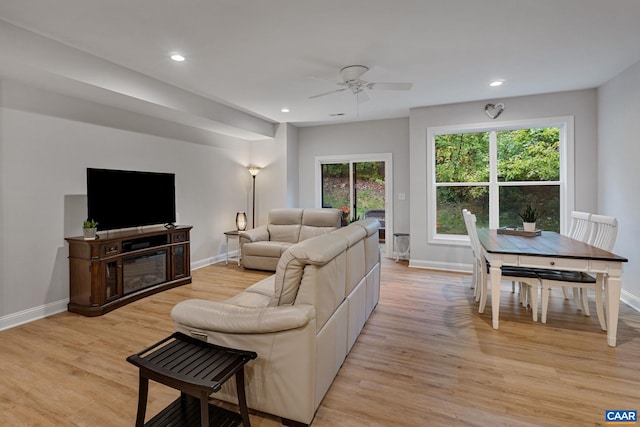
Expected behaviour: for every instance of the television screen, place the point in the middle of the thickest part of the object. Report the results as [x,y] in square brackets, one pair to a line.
[122,199]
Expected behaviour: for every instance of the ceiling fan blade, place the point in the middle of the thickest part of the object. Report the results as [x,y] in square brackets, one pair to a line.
[389,86]
[327,93]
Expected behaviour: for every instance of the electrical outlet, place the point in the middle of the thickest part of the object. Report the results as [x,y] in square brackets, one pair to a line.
[402,196]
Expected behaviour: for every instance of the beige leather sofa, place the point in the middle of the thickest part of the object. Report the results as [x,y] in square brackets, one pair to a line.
[263,246]
[302,321]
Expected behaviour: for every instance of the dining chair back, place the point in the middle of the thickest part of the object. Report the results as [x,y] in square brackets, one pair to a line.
[579,230]
[475,250]
[580,226]
[604,230]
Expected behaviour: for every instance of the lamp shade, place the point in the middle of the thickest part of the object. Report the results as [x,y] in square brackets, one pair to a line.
[253,170]
[241,221]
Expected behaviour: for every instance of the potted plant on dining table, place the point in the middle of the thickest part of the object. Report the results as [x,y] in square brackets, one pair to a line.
[529,217]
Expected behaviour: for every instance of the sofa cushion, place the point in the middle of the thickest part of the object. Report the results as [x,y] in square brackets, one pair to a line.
[264,286]
[371,243]
[317,251]
[355,236]
[257,295]
[316,222]
[284,225]
[249,299]
[266,249]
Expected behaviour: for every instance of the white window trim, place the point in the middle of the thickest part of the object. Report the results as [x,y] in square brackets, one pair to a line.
[567,154]
[387,158]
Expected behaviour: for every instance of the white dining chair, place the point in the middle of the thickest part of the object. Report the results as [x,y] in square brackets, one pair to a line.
[579,230]
[513,274]
[603,231]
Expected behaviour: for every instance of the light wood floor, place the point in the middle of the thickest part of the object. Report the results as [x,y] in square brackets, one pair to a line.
[425,358]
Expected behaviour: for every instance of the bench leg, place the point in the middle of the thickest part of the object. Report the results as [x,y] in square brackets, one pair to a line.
[142,400]
[204,409]
[242,398]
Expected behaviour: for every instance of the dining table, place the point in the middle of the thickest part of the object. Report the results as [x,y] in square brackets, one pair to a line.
[553,251]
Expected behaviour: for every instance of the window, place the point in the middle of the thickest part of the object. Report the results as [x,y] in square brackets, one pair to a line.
[495,171]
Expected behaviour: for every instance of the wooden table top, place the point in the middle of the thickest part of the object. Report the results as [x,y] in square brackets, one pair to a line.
[548,244]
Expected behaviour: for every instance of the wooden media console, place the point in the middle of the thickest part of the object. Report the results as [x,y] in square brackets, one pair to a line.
[123,266]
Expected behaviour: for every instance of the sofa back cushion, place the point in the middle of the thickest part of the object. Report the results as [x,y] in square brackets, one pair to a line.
[371,243]
[284,225]
[317,265]
[355,236]
[316,222]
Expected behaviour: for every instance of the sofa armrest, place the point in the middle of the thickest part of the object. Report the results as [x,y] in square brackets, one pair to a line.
[254,235]
[228,318]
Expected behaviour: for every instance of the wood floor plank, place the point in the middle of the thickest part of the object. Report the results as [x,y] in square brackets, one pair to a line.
[425,357]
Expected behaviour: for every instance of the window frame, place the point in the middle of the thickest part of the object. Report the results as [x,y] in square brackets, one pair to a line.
[566,182]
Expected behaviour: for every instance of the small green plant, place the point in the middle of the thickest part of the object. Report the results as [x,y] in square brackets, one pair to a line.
[89,224]
[529,214]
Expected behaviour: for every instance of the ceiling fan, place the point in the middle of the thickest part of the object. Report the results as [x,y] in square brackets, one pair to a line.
[351,81]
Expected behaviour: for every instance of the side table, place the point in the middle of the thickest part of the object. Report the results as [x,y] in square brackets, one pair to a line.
[197,369]
[401,245]
[234,234]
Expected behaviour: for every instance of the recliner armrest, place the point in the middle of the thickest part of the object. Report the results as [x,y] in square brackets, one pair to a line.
[228,318]
[254,235]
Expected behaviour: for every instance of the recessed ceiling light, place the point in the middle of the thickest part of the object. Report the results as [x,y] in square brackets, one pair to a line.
[177,57]
[496,83]
[285,110]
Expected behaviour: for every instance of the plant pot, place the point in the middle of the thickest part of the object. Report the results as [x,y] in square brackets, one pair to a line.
[89,233]
[529,226]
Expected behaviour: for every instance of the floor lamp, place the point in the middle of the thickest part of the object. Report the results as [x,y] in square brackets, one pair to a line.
[253,170]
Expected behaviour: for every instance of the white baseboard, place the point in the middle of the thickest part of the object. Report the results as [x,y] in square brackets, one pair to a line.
[630,299]
[31,314]
[446,266]
[213,260]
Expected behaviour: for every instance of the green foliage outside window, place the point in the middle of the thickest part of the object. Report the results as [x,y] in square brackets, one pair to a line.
[523,155]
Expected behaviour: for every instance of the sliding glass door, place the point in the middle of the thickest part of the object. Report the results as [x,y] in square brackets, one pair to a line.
[357,188]
[357,185]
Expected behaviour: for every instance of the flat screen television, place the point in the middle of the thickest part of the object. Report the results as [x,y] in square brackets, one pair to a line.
[123,199]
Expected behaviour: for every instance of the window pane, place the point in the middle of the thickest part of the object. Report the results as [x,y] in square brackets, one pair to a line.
[529,155]
[462,157]
[451,201]
[369,187]
[335,185]
[544,198]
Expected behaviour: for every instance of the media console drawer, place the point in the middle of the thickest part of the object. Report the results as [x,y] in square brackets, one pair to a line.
[179,237]
[112,248]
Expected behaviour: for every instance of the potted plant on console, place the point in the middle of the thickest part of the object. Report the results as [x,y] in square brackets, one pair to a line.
[529,217]
[89,228]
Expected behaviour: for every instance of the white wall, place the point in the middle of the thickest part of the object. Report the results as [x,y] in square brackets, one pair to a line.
[580,104]
[47,142]
[273,183]
[618,170]
[379,136]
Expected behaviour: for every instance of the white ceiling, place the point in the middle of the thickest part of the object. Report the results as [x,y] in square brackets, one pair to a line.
[261,55]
